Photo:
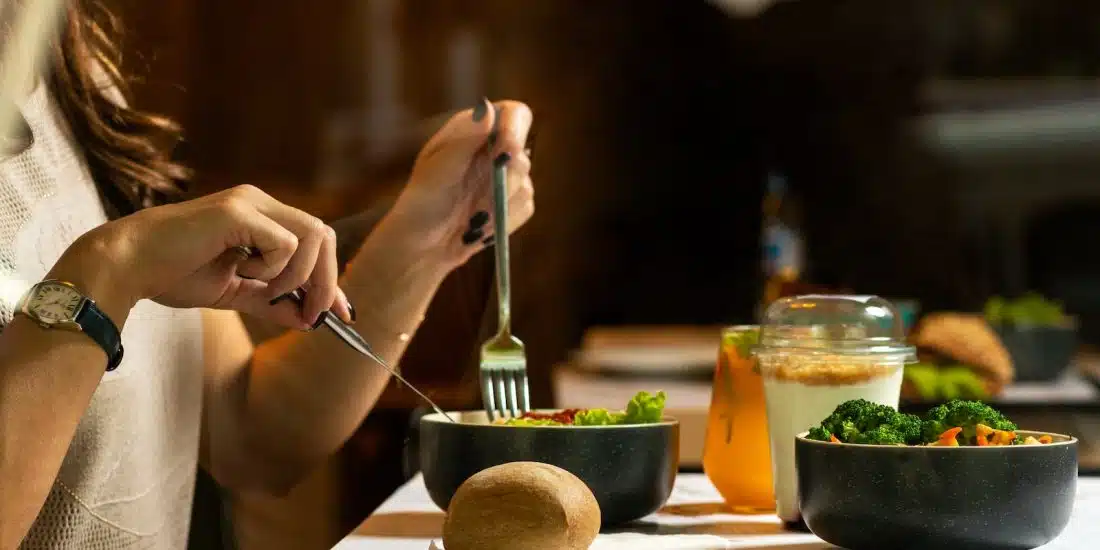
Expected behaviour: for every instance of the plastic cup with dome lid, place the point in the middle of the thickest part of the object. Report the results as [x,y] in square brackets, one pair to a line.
[816,352]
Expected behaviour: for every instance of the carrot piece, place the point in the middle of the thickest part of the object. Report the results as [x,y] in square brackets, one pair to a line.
[1044,439]
[951,433]
[983,433]
[833,439]
[1005,438]
[947,438]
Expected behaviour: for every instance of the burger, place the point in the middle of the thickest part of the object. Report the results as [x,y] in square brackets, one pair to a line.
[960,356]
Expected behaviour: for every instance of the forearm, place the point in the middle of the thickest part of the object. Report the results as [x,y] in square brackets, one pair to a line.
[352,231]
[308,392]
[47,378]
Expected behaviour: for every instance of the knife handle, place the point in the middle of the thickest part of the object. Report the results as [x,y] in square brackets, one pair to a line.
[298,296]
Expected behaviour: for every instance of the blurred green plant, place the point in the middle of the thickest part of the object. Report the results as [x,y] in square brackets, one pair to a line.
[1031,309]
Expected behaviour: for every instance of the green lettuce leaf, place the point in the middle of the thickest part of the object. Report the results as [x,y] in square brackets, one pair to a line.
[645,408]
[598,417]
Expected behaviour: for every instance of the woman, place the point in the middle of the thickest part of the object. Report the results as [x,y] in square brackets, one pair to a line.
[104,461]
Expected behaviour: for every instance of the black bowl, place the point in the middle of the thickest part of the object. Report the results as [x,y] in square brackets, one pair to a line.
[1039,353]
[630,469]
[867,497]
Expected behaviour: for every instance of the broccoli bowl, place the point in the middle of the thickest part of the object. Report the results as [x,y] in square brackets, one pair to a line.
[962,476]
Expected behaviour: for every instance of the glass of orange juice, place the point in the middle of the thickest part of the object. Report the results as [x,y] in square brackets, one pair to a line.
[737,452]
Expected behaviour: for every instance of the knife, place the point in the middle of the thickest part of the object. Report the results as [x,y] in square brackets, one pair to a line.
[353,339]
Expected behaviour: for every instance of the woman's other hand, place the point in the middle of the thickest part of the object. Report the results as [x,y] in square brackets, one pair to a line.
[189,255]
[446,208]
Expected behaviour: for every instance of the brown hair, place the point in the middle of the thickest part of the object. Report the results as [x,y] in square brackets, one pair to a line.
[128,151]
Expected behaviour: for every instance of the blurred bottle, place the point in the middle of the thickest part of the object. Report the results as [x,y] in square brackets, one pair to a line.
[783,245]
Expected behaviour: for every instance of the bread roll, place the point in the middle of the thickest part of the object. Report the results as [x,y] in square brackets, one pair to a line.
[969,340]
[522,505]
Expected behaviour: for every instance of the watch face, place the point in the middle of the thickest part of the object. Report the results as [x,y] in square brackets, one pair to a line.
[55,302]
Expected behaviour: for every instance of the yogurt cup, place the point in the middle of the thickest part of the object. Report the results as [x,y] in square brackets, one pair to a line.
[816,352]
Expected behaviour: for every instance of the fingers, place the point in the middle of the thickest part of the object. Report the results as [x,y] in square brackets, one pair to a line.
[252,299]
[250,296]
[301,266]
[469,132]
[464,135]
[315,241]
[519,165]
[521,205]
[274,243]
[295,249]
[512,128]
[323,293]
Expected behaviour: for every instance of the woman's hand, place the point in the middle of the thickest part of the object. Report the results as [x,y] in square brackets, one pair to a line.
[189,255]
[446,207]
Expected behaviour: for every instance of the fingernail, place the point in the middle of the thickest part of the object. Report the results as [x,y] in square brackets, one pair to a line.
[351,311]
[472,236]
[479,219]
[502,159]
[489,240]
[481,109]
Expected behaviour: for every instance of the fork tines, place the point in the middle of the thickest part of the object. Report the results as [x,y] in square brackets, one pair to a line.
[505,392]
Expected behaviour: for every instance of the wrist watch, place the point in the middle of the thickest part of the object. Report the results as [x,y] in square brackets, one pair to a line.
[58,304]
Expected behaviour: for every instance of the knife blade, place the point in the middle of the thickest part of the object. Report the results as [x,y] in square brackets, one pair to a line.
[355,341]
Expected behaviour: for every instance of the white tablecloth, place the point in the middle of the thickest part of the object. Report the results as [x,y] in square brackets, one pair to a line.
[409,521]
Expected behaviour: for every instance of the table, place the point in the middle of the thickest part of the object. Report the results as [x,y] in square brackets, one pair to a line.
[409,521]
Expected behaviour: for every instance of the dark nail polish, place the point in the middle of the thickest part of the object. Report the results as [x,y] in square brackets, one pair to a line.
[351,312]
[502,159]
[489,240]
[480,110]
[479,219]
[472,236]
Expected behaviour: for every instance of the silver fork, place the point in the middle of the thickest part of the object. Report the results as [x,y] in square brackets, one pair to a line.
[504,388]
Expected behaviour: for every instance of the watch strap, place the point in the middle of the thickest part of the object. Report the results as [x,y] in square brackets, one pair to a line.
[102,330]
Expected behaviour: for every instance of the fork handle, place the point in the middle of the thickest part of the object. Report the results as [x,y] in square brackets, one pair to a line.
[500,227]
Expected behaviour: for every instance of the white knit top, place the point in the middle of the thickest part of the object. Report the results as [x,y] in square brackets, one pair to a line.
[127,481]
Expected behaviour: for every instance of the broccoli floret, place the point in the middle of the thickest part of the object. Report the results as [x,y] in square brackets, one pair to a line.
[847,431]
[882,435]
[966,415]
[861,421]
[818,433]
[909,427]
